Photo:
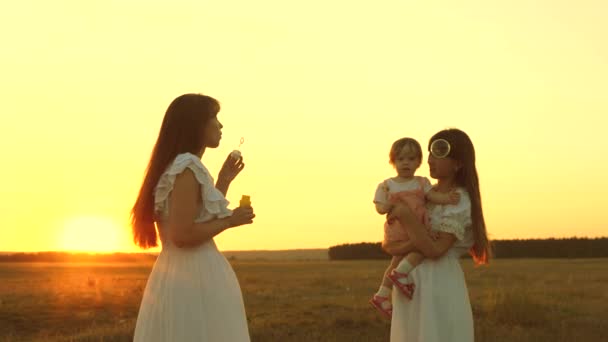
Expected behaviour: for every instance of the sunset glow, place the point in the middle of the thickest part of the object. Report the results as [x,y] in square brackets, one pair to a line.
[320,90]
[93,234]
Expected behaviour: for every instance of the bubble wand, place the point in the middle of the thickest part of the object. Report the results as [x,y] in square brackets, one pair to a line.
[237,153]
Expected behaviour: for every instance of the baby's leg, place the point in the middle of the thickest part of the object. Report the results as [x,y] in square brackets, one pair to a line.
[401,274]
[395,261]
[387,284]
[381,299]
[410,261]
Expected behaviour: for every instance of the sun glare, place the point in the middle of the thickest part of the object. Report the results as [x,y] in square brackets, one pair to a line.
[93,234]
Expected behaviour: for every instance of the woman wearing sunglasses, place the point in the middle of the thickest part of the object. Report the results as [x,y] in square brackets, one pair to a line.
[442,312]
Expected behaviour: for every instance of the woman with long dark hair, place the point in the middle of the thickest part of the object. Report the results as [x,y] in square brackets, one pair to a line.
[439,309]
[192,293]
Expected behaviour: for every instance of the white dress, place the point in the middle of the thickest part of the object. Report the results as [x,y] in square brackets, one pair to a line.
[440,310]
[192,294]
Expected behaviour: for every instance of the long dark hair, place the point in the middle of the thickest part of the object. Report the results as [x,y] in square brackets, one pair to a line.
[462,150]
[181,132]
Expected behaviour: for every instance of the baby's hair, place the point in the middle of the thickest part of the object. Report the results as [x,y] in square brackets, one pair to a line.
[400,144]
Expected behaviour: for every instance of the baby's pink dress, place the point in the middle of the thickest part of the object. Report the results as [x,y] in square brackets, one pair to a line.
[413,197]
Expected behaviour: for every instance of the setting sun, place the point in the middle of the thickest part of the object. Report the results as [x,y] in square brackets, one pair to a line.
[93,234]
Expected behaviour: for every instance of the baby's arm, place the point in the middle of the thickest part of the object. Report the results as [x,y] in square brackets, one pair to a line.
[383,208]
[437,197]
[383,205]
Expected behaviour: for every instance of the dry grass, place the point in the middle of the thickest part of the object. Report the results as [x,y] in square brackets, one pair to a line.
[513,300]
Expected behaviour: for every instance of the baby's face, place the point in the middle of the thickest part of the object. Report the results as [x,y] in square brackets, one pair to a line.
[407,162]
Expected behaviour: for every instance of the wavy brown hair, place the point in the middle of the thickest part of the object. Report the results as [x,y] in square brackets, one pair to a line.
[181,131]
[462,150]
[398,146]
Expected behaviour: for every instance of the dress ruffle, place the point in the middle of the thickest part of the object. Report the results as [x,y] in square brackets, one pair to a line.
[214,202]
[454,219]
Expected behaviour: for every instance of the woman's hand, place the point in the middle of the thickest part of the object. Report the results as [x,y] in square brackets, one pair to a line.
[230,169]
[241,216]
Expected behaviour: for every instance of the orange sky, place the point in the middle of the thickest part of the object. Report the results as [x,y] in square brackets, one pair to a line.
[319,90]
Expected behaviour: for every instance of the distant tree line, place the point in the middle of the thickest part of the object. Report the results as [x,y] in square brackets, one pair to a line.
[552,248]
[76,257]
[363,250]
[530,248]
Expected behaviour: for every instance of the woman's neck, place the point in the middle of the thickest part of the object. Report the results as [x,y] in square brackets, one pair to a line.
[200,153]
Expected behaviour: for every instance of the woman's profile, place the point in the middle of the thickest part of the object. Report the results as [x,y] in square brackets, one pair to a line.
[192,293]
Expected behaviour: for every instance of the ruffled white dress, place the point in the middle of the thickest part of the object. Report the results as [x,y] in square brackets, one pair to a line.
[192,294]
[440,310]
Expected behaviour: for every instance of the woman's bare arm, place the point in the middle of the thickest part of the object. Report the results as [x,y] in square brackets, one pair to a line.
[398,247]
[434,248]
[185,199]
[419,236]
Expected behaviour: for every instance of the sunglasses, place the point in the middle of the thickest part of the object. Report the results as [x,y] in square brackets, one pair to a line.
[440,148]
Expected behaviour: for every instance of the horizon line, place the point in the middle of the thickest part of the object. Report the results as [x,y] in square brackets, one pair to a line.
[275,250]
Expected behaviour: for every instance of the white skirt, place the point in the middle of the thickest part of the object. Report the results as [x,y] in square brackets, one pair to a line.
[192,295]
[440,310]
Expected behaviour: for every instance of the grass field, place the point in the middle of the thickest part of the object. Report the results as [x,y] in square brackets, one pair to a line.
[513,300]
